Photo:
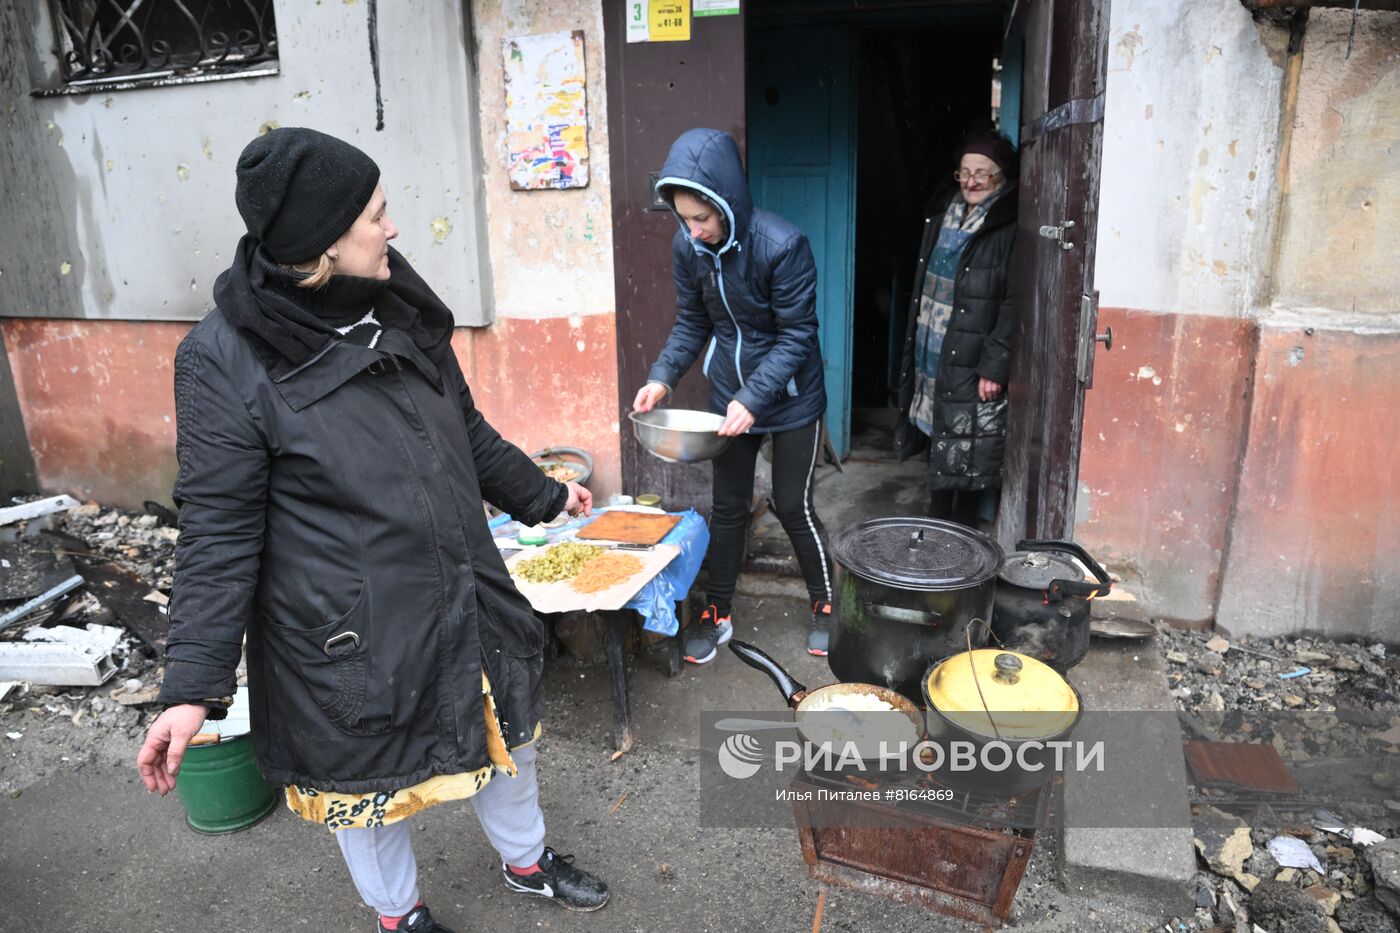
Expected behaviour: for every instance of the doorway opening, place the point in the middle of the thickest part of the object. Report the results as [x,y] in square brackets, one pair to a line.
[855,113]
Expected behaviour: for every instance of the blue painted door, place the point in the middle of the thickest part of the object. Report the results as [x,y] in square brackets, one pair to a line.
[802,165]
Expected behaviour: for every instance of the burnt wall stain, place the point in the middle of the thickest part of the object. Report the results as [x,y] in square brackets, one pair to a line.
[374,65]
[39,195]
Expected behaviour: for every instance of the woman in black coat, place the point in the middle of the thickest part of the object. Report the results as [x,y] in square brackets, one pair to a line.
[332,469]
[957,352]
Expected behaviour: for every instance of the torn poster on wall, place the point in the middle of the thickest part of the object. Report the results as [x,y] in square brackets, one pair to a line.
[546,111]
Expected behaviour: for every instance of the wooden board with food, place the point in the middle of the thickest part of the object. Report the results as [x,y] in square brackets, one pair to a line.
[574,576]
[629,527]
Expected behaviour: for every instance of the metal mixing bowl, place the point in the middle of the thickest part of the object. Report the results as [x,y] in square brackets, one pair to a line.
[679,436]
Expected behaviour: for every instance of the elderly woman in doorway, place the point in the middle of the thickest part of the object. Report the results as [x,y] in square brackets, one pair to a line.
[746,287]
[332,468]
[957,353]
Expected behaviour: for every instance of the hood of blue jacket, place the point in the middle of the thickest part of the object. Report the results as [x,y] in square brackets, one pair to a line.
[708,161]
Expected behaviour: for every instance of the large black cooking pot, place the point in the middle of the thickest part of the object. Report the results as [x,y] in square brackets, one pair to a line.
[909,592]
[1042,602]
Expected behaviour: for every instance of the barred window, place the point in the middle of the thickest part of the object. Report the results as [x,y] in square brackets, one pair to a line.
[132,43]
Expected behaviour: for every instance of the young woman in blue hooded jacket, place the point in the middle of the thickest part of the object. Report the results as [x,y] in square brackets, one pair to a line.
[746,293]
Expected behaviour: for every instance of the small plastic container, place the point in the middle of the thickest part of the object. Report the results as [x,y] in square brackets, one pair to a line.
[649,499]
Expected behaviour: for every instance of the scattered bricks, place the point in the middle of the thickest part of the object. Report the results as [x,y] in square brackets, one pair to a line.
[1222,840]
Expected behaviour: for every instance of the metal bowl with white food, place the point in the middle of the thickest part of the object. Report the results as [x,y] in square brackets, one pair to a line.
[679,435]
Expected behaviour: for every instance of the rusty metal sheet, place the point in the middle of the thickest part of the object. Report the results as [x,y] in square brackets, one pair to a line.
[1246,765]
[955,868]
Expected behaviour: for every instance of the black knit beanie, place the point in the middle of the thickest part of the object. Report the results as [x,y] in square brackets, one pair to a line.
[299,190]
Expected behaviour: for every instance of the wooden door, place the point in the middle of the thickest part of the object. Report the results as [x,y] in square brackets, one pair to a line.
[656,91]
[1066,47]
[802,166]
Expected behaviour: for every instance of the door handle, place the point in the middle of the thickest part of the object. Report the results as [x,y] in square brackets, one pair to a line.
[1106,338]
[1059,233]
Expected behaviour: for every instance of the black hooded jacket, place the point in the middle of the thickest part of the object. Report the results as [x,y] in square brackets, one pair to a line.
[330,502]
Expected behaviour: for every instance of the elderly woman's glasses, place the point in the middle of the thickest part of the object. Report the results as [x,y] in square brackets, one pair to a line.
[979,176]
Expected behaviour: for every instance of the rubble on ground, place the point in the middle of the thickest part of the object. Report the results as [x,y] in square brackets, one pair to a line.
[1290,863]
[36,719]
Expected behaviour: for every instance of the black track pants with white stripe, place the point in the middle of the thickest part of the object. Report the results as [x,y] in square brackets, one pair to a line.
[795,456]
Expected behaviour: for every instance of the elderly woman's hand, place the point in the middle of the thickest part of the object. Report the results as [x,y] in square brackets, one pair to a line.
[580,500]
[164,748]
[987,390]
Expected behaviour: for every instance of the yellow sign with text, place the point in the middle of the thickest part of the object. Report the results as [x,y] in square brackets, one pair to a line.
[668,20]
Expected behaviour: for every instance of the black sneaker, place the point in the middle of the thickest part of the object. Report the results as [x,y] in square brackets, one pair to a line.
[819,635]
[417,920]
[559,879]
[703,639]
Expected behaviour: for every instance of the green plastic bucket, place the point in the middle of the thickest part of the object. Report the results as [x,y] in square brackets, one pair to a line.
[221,788]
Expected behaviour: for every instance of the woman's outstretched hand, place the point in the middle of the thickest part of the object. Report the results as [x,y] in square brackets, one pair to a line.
[649,395]
[164,748]
[737,420]
[580,501]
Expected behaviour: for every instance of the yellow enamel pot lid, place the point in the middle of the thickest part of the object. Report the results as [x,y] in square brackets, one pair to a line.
[1019,697]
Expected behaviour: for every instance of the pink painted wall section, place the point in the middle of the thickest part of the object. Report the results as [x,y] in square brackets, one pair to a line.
[98,405]
[1317,533]
[1162,436]
[550,382]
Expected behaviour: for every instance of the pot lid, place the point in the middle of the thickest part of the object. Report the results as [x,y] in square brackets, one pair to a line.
[1034,570]
[996,693]
[918,553]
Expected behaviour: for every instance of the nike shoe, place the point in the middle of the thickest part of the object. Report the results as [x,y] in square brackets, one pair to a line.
[704,637]
[417,920]
[560,881]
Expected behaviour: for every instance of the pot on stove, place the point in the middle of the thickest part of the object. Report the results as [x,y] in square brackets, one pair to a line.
[990,695]
[909,592]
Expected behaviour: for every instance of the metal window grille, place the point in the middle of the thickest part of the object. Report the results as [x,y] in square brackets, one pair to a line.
[106,41]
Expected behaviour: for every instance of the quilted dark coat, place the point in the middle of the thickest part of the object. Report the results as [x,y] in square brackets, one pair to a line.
[750,305]
[333,514]
[969,439]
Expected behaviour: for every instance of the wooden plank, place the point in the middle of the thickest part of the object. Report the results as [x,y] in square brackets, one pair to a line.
[124,593]
[561,597]
[629,527]
[1066,52]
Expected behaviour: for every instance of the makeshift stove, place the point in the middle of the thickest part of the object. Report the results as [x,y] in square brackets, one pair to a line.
[956,852]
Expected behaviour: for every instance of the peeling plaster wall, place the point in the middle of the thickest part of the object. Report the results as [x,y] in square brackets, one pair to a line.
[120,205]
[144,238]
[1238,464]
[1190,157]
[1340,245]
[546,373]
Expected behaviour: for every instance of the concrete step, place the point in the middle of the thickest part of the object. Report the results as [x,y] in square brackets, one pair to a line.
[1147,858]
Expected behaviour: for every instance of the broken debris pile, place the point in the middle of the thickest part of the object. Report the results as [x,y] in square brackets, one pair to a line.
[82,609]
[1293,746]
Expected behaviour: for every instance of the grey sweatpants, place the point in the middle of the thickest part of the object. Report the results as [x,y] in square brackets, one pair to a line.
[381,860]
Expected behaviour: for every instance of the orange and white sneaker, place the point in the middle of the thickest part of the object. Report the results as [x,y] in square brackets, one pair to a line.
[703,638]
[819,635]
